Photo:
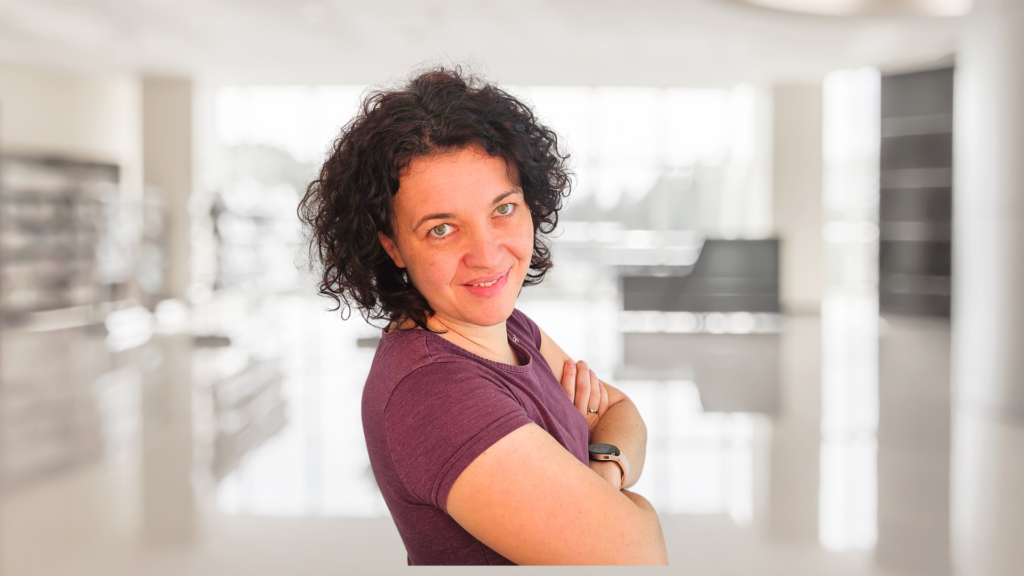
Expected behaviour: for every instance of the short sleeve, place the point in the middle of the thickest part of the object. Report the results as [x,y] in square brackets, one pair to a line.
[439,418]
[525,327]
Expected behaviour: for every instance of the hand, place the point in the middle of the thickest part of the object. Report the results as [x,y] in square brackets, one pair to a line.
[585,391]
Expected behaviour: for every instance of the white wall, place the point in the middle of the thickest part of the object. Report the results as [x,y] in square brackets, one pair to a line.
[96,117]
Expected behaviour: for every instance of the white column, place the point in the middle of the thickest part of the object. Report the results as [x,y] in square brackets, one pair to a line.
[167,165]
[792,507]
[796,191]
[987,476]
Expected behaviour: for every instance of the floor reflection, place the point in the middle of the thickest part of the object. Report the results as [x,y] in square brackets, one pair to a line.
[317,465]
[914,441]
[849,421]
[767,445]
[698,462]
[702,462]
[60,389]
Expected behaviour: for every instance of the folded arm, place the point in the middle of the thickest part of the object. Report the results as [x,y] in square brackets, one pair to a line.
[553,510]
[620,425]
[556,510]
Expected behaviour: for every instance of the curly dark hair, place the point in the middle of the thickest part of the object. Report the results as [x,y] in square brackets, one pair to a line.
[439,110]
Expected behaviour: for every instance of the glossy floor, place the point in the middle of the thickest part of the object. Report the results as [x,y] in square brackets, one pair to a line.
[818,446]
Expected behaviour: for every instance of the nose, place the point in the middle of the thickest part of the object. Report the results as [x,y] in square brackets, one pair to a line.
[484,249]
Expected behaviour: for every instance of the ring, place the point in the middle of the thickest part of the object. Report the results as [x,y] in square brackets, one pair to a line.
[589,411]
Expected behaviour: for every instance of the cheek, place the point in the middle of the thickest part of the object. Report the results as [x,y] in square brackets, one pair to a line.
[524,240]
[433,269]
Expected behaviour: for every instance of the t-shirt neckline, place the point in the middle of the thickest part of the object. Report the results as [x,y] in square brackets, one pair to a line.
[513,340]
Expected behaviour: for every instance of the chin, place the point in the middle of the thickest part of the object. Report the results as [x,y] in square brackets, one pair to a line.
[491,314]
[494,311]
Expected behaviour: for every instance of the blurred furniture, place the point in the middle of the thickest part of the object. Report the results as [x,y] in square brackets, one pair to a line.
[733,361]
[65,255]
[728,276]
[916,193]
[257,237]
[57,237]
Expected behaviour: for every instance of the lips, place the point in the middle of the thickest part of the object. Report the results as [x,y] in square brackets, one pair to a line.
[487,281]
[487,286]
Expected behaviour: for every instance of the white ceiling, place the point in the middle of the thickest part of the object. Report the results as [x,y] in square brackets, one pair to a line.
[608,42]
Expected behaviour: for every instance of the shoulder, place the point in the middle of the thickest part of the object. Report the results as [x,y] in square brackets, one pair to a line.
[414,363]
[398,354]
[523,327]
[433,420]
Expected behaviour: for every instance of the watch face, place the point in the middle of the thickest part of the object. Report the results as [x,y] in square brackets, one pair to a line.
[604,449]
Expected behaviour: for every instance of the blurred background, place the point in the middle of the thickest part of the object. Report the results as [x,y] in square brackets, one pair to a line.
[767,248]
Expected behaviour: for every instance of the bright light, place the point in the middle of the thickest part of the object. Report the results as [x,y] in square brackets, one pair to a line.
[939,8]
[848,497]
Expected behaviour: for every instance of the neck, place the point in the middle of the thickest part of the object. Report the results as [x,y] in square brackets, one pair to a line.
[490,342]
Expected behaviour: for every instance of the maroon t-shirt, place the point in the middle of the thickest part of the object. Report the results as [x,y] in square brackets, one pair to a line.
[430,408]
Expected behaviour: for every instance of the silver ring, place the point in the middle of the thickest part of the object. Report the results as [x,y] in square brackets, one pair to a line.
[589,411]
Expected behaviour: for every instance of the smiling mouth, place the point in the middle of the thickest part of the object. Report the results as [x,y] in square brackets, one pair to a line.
[489,283]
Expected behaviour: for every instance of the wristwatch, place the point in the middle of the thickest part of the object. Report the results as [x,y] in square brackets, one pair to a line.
[610,452]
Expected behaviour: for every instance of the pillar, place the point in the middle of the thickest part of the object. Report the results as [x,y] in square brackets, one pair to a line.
[987,470]
[796,190]
[792,511]
[168,167]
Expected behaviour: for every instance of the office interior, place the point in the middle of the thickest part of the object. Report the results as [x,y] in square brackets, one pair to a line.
[794,241]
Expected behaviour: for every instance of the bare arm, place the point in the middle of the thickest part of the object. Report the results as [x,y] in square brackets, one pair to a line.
[554,510]
[620,424]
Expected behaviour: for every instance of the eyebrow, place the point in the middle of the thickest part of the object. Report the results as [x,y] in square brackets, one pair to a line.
[444,215]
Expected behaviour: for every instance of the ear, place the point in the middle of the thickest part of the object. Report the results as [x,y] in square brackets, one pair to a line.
[391,249]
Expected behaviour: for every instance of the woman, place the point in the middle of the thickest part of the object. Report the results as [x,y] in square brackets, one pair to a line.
[430,213]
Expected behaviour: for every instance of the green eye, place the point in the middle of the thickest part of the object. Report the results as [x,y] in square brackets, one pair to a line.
[505,209]
[439,230]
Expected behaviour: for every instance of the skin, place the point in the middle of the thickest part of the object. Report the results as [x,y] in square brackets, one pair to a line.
[459,220]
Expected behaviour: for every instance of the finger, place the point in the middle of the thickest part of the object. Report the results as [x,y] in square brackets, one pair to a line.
[595,392]
[569,379]
[582,387]
[604,401]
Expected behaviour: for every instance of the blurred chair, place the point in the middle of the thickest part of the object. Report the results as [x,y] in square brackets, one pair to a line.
[729,276]
[734,364]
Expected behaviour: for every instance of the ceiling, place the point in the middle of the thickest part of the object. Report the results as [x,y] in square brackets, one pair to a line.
[566,42]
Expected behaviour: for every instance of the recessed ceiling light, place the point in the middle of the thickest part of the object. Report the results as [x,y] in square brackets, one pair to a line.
[938,8]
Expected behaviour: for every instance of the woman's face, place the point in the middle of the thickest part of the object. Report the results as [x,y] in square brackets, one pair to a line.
[464,233]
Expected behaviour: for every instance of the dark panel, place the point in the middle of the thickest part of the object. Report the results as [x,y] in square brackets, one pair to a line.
[920,151]
[738,258]
[918,93]
[916,205]
[919,258]
[914,304]
[916,222]
[729,276]
[916,284]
